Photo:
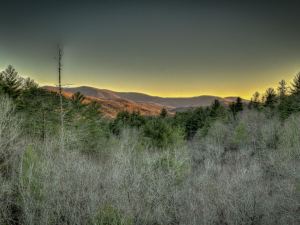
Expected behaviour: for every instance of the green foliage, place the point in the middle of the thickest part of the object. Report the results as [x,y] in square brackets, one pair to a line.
[241,171]
[159,133]
[282,89]
[77,100]
[10,82]
[40,109]
[255,101]
[195,121]
[236,107]
[200,119]
[93,110]
[289,105]
[127,120]
[239,104]
[270,98]
[215,109]
[90,129]
[163,113]
[296,85]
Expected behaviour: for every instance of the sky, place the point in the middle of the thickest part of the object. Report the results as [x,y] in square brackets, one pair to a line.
[165,48]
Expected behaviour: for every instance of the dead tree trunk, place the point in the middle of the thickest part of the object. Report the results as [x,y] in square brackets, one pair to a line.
[60,53]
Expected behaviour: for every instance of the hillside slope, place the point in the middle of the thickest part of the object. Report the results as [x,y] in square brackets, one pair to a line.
[113,102]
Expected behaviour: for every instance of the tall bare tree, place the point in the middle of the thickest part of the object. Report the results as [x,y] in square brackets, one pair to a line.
[59,60]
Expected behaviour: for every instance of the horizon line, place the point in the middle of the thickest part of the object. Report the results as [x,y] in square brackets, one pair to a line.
[151,95]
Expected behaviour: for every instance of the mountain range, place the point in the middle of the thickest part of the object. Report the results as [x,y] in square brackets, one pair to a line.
[113,102]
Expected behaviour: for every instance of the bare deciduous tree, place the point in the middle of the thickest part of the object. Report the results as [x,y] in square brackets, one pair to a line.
[62,132]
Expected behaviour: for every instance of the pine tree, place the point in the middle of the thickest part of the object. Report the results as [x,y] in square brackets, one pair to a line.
[214,108]
[93,110]
[216,104]
[163,113]
[255,100]
[90,127]
[29,84]
[74,113]
[77,100]
[217,110]
[296,85]
[232,108]
[236,107]
[40,109]
[239,104]
[11,82]
[282,89]
[270,98]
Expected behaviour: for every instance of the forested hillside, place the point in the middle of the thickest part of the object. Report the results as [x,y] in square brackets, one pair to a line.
[223,165]
[113,102]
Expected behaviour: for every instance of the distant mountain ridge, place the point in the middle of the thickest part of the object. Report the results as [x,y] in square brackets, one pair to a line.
[146,104]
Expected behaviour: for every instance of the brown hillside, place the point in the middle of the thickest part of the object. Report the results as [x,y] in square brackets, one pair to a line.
[113,105]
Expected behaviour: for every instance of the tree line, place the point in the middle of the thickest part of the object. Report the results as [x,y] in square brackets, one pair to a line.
[222,164]
[41,109]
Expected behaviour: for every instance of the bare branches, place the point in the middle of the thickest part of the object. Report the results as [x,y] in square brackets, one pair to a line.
[62,133]
[242,173]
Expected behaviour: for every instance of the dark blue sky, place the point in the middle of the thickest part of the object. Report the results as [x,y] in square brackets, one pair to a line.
[168,48]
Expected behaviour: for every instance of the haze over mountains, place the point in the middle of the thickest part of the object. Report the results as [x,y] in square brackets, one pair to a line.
[113,102]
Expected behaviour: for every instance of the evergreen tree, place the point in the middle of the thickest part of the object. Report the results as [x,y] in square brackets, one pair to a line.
[11,82]
[239,104]
[40,109]
[90,127]
[76,109]
[136,120]
[282,89]
[196,120]
[163,113]
[126,119]
[159,133]
[215,108]
[270,98]
[232,108]
[29,84]
[236,107]
[295,90]
[255,100]
[77,100]
[93,110]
